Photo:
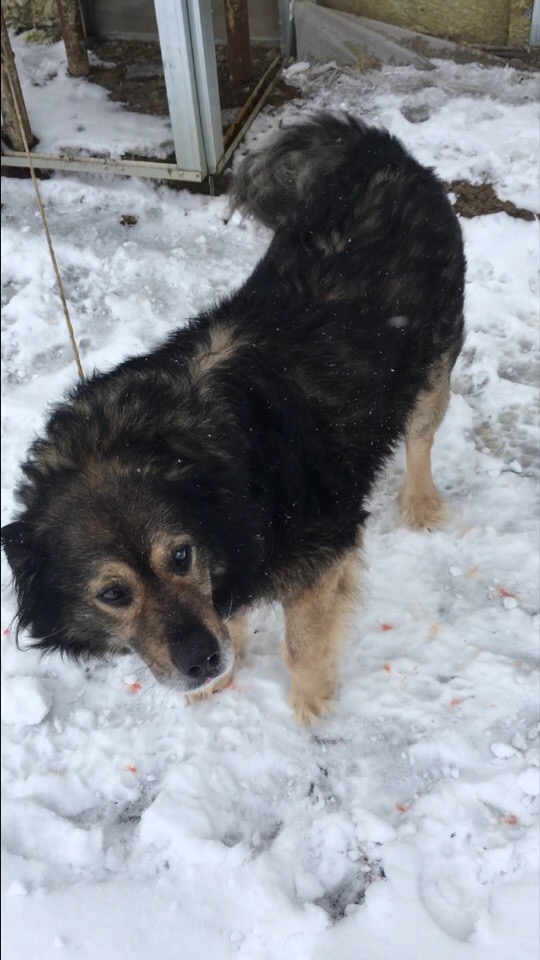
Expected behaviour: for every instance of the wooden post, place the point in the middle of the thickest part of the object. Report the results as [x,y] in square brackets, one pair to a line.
[72,30]
[12,97]
[238,51]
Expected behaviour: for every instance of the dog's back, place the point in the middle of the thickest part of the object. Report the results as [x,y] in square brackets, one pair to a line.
[364,279]
[358,221]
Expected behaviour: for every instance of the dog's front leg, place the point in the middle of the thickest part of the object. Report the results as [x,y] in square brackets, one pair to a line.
[315,621]
[238,630]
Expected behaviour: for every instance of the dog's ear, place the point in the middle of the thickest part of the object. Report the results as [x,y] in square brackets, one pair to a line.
[17,544]
[25,559]
[38,604]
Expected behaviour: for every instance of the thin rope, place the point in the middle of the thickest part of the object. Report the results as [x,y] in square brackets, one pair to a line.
[45,226]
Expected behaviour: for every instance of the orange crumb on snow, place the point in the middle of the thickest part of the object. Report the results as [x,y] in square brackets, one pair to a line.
[387,667]
[473,571]
[503,592]
[134,687]
[6,632]
[402,807]
[455,702]
[511,819]
[387,626]
[129,768]
[433,630]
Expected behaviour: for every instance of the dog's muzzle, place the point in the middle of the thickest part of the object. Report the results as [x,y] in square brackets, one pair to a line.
[198,656]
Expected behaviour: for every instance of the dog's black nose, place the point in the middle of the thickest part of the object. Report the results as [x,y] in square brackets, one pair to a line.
[205,669]
[197,655]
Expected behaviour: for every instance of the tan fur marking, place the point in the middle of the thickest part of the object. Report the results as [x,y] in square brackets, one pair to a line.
[223,344]
[161,553]
[137,625]
[334,242]
[420,502]
[114,573]
[315,630]
[140,624]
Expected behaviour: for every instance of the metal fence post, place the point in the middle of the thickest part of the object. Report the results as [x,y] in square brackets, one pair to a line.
[204,56]
[175,42]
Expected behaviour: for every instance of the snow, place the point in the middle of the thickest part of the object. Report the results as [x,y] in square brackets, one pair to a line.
[84,121]
[24,701]
[405,825]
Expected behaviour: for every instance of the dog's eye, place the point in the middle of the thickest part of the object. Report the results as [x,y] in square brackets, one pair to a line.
[182,559]
[116,596]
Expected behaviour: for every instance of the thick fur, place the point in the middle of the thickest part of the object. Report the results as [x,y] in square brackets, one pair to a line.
[255,433]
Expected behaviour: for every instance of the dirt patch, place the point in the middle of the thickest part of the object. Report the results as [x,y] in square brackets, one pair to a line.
[132,72]
[479,199]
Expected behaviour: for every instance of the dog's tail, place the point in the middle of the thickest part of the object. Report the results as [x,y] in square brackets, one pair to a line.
[271,182]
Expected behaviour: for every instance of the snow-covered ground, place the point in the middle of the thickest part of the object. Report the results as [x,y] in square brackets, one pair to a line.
[404,826]
[74,117]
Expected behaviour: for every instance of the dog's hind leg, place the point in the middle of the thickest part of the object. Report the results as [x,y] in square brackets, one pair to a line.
[315,623]
[420,502]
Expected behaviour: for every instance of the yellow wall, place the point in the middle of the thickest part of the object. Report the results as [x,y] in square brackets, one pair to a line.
[493,22]
[519,22]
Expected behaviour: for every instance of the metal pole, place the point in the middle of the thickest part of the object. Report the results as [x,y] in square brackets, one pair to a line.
[178,67]
[285,27]
[72,30]
[204,60]
[12,97]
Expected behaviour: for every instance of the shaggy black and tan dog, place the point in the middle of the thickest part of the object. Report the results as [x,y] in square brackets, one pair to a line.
[231,466]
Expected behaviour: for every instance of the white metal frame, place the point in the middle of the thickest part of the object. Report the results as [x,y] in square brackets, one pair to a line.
[285,13]
[186,40]
[156,169]
[204,59]
[534,38]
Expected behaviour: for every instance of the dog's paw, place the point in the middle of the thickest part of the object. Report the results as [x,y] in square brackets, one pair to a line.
[421,512]
[309,708]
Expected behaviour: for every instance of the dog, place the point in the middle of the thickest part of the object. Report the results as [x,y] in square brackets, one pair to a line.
[231,465]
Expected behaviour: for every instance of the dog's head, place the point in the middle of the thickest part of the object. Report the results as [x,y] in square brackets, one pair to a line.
[129,555]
